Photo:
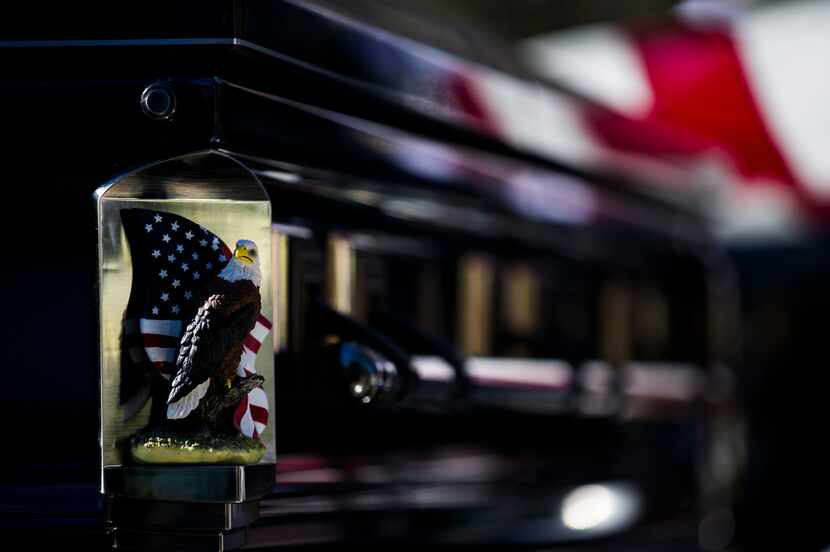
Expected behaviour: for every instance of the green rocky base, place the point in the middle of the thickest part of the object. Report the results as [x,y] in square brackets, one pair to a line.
[160,446]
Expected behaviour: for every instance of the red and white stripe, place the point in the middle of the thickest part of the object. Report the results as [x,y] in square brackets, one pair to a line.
[253,341]
[154,341]
[739,95]
[157,341]
[251,416]
[161,340]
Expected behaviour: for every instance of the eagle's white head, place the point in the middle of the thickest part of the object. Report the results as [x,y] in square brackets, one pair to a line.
[244,265]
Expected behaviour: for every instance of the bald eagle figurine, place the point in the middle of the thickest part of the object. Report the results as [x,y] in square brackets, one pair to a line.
[211,347]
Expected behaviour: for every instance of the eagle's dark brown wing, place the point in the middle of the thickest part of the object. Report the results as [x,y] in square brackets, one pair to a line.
[220,324]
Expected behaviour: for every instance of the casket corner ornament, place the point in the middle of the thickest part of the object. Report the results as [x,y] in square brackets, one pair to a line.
[195,326]
[186,359]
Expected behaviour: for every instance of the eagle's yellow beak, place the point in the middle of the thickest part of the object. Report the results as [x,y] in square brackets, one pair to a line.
[242,254]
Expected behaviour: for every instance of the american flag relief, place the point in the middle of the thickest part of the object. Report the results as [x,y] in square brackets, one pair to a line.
[174,261]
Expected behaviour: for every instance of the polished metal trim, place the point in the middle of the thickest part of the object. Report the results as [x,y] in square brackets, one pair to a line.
[436,109]
[518,373]
[217,41]
[116,179]
[293,231]
[476,280]
[152,515]
[340,273]
[433,369]
[218,541]
[280,260]
[193,483]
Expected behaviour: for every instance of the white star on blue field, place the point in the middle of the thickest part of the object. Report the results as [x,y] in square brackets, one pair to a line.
[175,284]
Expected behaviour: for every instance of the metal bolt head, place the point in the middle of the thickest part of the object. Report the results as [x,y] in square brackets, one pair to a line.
[370,377]
[158,101]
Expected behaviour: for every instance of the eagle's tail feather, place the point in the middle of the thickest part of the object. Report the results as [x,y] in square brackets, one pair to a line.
[184,406]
